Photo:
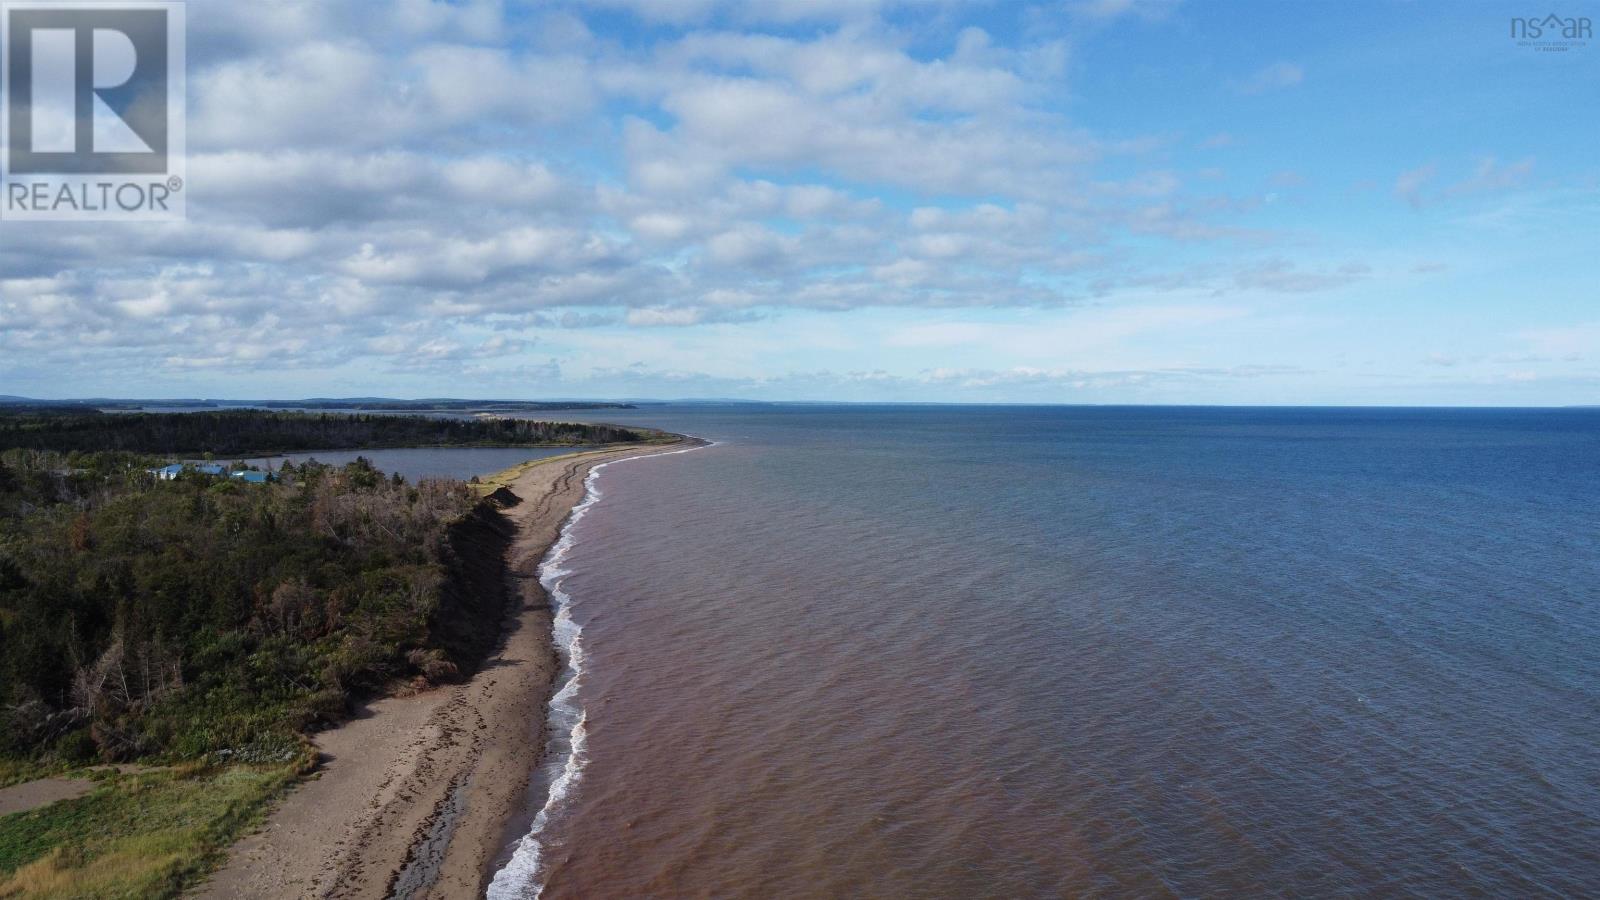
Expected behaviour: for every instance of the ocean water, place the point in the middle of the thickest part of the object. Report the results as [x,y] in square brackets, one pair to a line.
[1119,652]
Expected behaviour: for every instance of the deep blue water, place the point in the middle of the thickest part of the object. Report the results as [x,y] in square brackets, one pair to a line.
[1006,651]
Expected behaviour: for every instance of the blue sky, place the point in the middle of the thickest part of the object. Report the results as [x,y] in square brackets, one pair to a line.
[1106,201]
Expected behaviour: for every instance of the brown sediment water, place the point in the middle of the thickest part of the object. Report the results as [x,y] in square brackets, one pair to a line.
[1010,652]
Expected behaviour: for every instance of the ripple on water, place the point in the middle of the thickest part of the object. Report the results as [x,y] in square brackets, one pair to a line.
[970,652]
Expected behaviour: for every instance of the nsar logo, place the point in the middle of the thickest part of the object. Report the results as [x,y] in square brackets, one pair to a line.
[1552,33]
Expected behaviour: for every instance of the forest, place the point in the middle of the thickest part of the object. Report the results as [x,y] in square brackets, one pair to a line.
[201,616]
[350,404]
[256,432]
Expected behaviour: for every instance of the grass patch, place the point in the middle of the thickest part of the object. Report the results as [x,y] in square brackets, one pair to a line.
[136,836]
[16,771]
[490,483]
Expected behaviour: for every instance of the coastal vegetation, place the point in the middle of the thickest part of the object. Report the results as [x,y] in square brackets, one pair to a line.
[202,616]
[147,833]
[201,627]
[383,404]
[252,432]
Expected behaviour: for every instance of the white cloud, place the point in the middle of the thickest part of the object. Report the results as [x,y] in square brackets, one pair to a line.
[1274,77]
[1149,10]
[1282,276]
[376,182]
[1409,184]
[1577,341]
[1488,176]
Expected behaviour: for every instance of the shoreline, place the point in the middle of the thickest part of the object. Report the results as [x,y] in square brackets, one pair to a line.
[519,860]
[418,795]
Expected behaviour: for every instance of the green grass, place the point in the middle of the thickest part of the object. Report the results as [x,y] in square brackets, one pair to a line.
[16,771]
[136,836]
[504,478]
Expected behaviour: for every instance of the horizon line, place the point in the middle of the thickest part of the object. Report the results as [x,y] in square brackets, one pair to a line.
[17,400]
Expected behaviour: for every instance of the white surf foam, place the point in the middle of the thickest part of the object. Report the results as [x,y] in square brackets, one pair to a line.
[523,876]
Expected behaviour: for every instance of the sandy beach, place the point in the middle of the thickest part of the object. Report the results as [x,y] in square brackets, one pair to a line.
[413,797]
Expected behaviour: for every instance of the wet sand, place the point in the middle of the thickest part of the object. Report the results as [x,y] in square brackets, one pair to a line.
[414,796]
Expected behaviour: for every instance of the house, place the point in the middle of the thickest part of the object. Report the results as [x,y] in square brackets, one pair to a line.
[253,477]
[167,473]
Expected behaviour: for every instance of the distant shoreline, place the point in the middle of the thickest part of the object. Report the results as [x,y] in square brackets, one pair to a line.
[356,404]
[231,433]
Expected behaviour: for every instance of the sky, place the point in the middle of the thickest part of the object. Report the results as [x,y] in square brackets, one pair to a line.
[1079,201]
